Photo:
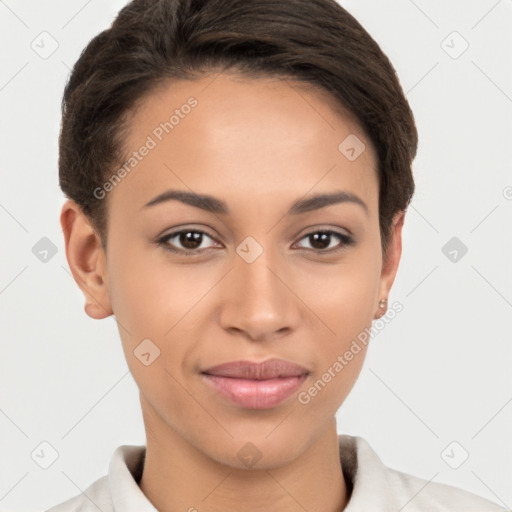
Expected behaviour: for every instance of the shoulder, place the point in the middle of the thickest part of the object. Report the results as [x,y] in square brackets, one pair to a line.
[95,497]
[118,490]
[426,495]
[380,488]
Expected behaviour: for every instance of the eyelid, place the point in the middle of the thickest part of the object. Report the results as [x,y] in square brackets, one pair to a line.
[315,228]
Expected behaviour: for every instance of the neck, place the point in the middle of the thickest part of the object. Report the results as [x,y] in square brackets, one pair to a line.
[178,477]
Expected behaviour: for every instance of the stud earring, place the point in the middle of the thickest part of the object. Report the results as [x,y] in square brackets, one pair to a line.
[382,306]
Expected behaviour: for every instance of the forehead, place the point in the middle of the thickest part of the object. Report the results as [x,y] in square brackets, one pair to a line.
[240,137]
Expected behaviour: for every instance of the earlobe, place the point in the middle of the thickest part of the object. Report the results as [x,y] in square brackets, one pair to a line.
[86,260]
[390,265]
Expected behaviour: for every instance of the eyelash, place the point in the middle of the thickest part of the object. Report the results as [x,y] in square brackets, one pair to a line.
[345,239]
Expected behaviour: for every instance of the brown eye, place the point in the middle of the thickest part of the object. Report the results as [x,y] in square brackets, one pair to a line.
[320,241]
[190,239]
[186,240]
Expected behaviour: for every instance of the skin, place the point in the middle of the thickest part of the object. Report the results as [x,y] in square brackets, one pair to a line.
[259,145]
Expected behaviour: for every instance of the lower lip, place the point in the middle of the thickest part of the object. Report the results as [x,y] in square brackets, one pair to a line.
[256,394]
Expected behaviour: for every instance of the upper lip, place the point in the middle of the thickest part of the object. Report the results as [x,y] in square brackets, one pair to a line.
[269,369]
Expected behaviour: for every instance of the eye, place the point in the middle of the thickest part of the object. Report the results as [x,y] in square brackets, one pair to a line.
[191,241]
[320,241]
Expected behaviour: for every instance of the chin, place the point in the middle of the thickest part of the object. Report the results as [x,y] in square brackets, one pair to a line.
[257,452]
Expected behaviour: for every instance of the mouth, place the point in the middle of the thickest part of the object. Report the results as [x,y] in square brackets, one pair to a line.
[256,385]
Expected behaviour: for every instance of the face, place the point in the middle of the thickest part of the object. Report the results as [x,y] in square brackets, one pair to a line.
[255,271]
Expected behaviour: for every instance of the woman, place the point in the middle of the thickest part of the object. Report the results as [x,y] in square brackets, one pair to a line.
[238,175]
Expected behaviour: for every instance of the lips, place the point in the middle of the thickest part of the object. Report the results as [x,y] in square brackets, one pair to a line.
[256,385]
[269,369]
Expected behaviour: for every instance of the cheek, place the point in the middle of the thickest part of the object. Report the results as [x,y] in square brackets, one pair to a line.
[352,304]
[344,300]
[342,297]
[136,303]
[156,301]
[148,295]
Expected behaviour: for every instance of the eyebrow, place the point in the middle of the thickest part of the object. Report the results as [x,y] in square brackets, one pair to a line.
[214,205]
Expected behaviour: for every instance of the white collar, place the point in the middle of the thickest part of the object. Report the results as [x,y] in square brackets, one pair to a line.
[375,487]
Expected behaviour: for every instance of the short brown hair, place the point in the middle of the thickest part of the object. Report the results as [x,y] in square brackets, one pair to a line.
[154,41]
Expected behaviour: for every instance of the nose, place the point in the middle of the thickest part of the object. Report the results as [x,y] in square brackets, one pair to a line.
[259,301]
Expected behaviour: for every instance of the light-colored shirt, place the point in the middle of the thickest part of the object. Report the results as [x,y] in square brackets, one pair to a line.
[374,486]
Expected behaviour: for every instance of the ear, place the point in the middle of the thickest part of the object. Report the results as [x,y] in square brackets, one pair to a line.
[86,260]
[390,264]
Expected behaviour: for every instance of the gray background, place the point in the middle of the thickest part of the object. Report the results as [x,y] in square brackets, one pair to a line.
[439,373]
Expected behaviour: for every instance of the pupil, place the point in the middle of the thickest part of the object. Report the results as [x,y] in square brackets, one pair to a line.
[320,240]
[191,239]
